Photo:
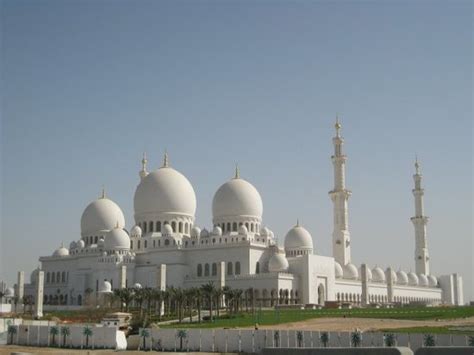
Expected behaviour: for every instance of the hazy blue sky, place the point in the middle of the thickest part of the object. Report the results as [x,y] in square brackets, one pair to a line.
[87,86]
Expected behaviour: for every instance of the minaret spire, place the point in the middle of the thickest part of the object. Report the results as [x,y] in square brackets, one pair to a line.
[339,196]
[143,173]
[422,265]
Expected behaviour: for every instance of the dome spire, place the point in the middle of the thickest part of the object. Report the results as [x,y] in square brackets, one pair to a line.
[143,173]
[103,195]
[237,172]
[166,162]
[297,222]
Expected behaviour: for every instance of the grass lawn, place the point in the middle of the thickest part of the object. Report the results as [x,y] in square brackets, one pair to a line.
[432,330]
[270,317]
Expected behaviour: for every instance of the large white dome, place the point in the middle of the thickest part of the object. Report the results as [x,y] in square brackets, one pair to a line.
[165,191]
[298,238]
[237,198]
[101,216]
[117,239]
[350,272]
[278,263]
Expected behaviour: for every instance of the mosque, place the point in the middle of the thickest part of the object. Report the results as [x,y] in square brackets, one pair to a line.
[239,251]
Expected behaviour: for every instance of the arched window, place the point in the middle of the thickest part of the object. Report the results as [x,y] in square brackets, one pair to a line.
[186,228]
[167,242]
[173,226]
[234,227]
[144,227]
[138,245]
[131,244]
[251,227]
[180,227]
[237,268]
[228,227]
[229,268]
[58,277]
[199,270]
[79,300]
[53,277]
[257,268]
[96,239]
[247,226]
[214,269]
[150,226]
[223,227]
[146,244]
[158,226]
[206,270]
[63,277]
[213,240]
[48,277]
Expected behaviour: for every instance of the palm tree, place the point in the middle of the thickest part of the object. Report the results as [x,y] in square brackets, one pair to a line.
[276,338]
[356,338]
[470,340]
[237,299]
[65,332]
[389,339]
[139,296]
[428,340]
[190,295]
[218,293]
[87,331]
[144,334]
[324,339]
[15,302]
[180,298]
[198,295]
[181,335]
[148,297]
[11,331]
[54,331]
[208,290]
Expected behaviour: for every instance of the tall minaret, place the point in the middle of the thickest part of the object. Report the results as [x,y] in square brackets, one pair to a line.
[422,258]
[341,239]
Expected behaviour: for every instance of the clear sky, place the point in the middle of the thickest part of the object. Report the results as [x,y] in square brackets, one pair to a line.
[87,86]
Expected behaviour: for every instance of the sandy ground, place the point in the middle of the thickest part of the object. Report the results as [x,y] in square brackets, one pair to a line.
[365,324]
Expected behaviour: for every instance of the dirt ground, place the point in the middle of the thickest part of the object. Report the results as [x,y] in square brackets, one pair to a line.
[365,324]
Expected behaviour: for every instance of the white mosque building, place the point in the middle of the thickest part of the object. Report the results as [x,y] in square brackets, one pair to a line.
[166,248]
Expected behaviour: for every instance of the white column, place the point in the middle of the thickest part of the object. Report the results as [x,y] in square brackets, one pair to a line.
[161,283]
[20,287]
[339,196]
[389,274]
[365,285]
[39,295]
[123,277]
[422,265]
[221,279]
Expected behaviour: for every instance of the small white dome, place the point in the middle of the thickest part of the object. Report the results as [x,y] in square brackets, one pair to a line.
[394,276]
[60,252]
[164,191]
[137,285]
[278,263]
[81,244]
[338,270]
[104,253]
[298,238]
[378,275]
[167,229]
[350,272]
[432,281]
[236,198]
[264,232]
[136,232]
[9,292]
[106,287]
[413,279]
[72,245]
[369,273]
[195,232]
[423,280]
[217,231]
[101,242]
[402,277]
[243,230]
[117,239]
[204,233]
[101,216]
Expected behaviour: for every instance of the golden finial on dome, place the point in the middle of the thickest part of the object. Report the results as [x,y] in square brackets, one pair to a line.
[144,161]
[297,222]
[103,192]
[165,160]
[237,172]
